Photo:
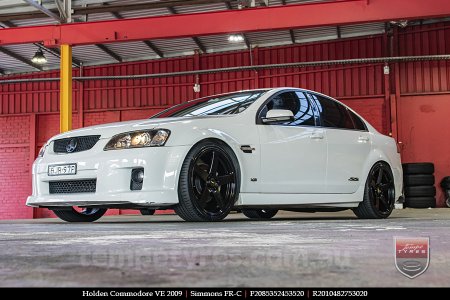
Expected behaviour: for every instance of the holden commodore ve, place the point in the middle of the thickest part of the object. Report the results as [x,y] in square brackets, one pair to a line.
[258,151]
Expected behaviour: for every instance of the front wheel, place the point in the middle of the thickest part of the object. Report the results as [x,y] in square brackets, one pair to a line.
[80,215]
[209,182]
[260,214]
[379,194]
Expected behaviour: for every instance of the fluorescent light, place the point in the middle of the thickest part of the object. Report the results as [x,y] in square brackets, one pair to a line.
[235,38]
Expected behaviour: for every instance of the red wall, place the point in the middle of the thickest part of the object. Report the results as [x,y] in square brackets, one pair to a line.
[425,133]
[15,168]
[29,111]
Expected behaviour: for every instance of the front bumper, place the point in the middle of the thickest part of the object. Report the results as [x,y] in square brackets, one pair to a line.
[112,169]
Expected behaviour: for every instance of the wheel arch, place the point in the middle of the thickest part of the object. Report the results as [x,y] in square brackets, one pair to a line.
[378,155]
[227,144]
[187,208]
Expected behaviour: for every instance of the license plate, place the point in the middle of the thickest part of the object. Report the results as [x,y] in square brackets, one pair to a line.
[69,169]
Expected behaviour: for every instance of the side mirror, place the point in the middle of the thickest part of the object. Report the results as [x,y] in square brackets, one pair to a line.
[277,116]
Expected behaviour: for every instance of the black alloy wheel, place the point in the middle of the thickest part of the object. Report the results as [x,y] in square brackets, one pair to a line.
[209,183]
[379,193]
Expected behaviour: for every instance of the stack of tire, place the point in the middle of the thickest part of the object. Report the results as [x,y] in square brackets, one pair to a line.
[418,183]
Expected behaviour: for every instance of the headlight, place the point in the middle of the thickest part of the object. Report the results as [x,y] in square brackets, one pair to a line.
[42,151]
[138,139]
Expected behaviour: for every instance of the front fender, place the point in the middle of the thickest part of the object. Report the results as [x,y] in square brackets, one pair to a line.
[234,138]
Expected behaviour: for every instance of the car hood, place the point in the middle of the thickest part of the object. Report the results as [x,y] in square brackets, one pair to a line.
[111,129]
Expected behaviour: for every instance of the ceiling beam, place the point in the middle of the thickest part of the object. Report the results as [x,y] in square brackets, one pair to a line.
[76,62]
[141,6]
[264,2]
[147,43]
[19,58]
[100,8]
[104,48]
[292,36]
[109,52]
[44,10]
[199,44]
[53,51]
[9,24]
[228,21]
[195,39]
[291,32]
[246,39]
[154,48]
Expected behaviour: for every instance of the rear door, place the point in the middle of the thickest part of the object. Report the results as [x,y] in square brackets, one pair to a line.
[348,145]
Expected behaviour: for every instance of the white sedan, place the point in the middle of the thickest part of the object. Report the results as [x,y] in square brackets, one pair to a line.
[257,151]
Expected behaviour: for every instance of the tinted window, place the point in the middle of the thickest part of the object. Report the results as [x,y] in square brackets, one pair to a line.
[332,114]
[359,124]
[219,105]
[297,103]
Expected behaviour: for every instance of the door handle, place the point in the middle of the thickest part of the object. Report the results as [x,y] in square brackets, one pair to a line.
[363,139]
[316,137]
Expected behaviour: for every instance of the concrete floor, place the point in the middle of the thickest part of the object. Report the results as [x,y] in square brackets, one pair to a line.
[293,249]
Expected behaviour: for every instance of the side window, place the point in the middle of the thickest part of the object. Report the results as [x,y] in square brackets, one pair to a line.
[359,124]
[332,114]
[297,103]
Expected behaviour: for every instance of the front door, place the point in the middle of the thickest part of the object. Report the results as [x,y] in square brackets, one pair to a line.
[293,154]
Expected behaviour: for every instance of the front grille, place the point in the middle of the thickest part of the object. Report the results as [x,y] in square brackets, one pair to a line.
[73,186]
[75,144]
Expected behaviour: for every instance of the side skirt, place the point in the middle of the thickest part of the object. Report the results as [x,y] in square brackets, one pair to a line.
[300,200]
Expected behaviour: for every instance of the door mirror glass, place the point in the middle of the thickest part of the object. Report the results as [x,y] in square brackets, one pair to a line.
[278,115]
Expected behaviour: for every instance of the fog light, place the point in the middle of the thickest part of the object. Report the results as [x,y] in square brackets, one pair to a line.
[138,175]
[137,178]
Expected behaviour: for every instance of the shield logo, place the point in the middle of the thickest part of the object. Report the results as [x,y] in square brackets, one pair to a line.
[412,255]
[71,146]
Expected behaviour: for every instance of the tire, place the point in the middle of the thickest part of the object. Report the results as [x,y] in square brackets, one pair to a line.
[420,202]
[89,214]
[420,191]
[419,179]
[260,214]
[379,193]
[445,183]
[418,168]
[147,211]
[209,182]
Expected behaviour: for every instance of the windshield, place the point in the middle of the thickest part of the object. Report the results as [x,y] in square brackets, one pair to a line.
[228,104]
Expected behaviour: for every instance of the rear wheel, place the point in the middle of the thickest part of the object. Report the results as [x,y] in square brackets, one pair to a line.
[262,214]
[209,182]
[80,214]
[379,193]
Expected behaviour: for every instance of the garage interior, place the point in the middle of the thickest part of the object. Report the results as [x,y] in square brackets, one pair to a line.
[71,64]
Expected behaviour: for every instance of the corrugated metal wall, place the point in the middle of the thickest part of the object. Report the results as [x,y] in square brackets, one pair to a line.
[348,81]
[31,109]
[424,77]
